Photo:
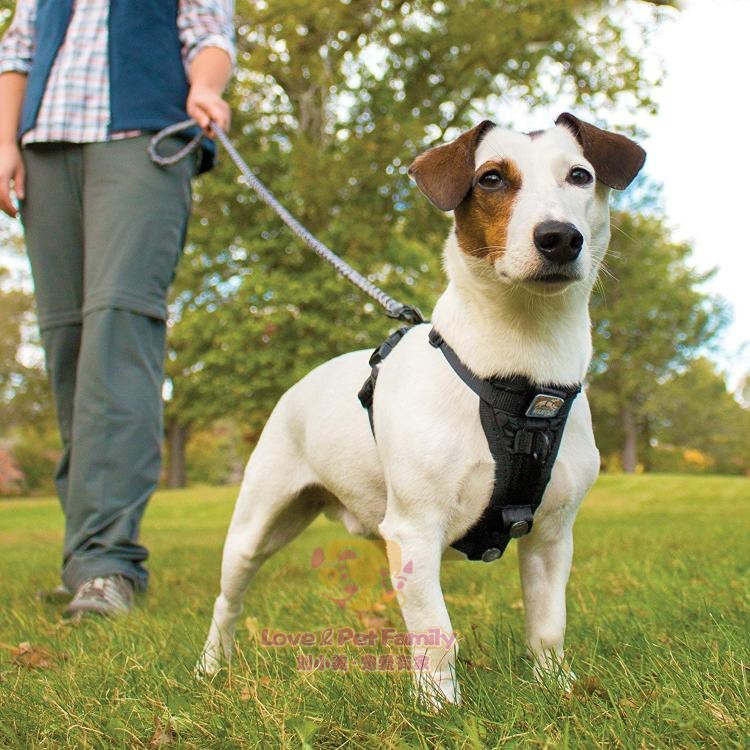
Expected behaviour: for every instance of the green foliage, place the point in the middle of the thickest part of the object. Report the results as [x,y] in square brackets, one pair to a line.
[658,606]
[24,397]
[14,309]
[6,13]
[216,456]
[332,102]
[693,411]
[27,424]
[36,452]
[651,318]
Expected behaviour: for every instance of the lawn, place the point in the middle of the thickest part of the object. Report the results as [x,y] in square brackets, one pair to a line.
[658,634]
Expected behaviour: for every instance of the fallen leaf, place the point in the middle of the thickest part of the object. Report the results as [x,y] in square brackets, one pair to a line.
[372,620]
[719,714]
[625,706]
[26,655]
[589,686]
[477,664]
[163,734]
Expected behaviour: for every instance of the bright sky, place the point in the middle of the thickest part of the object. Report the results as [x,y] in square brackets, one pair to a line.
[699,151]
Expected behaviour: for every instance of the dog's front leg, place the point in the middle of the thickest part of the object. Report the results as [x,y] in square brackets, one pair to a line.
[545,566]
[414,555]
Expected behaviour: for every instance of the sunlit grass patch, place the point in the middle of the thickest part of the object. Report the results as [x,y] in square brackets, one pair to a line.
[659,601]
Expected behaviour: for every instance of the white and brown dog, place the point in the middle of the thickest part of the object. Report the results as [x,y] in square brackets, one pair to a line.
[531,228]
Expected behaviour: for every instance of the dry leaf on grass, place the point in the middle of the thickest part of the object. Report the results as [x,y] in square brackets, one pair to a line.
[477,664]
[625,706]
[372,620]
[26,655]
[589,686]
[163,734]
[720,714]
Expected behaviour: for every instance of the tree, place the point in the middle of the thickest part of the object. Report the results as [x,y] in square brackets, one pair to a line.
[23,386]
[6,13]
[332,102]
[694,411]
[28,440]
[651,318]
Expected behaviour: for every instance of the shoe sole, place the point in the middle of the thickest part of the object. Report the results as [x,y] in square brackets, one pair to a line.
[78,612]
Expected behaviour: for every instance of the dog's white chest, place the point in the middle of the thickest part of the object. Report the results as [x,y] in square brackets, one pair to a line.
[432,445]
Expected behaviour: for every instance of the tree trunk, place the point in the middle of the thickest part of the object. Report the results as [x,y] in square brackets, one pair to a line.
[176,442]
[630,444]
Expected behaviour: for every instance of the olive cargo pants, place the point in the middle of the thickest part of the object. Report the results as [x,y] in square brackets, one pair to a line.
[104,231]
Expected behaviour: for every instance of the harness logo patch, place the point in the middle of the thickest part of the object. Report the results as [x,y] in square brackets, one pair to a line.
[545,405]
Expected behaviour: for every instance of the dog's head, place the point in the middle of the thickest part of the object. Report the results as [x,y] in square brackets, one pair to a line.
[532,207]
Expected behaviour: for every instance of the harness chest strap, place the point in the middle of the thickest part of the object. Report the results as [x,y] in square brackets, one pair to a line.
[523,424]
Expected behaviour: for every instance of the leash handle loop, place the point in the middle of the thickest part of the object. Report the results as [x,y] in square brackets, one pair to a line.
[178,127]
[394,309]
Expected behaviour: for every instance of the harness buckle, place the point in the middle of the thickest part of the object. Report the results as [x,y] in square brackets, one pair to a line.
[517,520]
[518,529]
[367,393]
[524,441]
[534,443]
[406,313]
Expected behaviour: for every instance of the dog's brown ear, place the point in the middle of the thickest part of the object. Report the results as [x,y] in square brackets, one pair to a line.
[444,173]
[616,159]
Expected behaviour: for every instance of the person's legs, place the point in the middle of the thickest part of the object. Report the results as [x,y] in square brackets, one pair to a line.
[135,217]
[53,225]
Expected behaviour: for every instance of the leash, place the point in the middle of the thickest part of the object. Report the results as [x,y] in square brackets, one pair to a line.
[393,309]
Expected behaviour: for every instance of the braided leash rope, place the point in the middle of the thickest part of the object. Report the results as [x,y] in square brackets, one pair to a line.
[394,309]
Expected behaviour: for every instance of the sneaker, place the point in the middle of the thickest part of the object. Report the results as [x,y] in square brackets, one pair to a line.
[104,595]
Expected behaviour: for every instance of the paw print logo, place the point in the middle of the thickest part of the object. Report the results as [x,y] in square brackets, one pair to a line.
[355,573]
[407,570]
[337,574]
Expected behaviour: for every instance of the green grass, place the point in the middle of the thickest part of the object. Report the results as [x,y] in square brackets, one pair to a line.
[658,634]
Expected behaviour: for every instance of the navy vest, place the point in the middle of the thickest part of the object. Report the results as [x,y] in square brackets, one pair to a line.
[148,84]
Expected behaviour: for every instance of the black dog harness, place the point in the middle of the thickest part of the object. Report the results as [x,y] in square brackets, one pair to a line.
[523,424]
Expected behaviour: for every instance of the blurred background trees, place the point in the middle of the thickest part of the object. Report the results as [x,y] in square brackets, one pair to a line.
[332,101]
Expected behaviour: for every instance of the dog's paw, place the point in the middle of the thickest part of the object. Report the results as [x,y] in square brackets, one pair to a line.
[555,674]
[208,665]
[566,681]
[437,691]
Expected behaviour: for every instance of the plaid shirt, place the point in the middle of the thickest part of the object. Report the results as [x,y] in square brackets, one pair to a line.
[75,106]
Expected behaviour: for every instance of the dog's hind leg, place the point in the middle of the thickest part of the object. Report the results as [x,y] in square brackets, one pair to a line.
[278,500]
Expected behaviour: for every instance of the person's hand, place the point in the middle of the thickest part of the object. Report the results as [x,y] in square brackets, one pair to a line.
[12,175]
[204,105]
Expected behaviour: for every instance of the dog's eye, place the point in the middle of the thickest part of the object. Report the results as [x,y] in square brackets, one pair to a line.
[492,180]
[580,176]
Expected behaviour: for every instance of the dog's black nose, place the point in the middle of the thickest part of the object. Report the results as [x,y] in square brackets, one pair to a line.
[558,241]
